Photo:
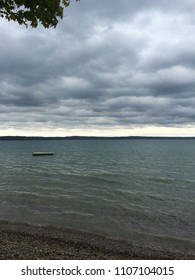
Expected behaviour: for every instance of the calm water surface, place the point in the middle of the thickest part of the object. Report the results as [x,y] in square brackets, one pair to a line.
[118,188]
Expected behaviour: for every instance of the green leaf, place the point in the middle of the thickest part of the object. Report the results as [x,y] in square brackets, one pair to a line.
[32,12]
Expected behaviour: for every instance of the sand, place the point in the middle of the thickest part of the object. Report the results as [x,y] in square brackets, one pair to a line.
[27,242]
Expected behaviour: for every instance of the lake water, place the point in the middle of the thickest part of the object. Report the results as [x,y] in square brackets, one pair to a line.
[140,188]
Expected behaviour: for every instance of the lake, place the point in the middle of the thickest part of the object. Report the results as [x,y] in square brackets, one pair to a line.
[135,188]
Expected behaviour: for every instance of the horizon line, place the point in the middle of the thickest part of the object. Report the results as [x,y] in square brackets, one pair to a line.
[6,137]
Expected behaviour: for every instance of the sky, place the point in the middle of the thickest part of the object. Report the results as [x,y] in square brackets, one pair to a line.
[110,68]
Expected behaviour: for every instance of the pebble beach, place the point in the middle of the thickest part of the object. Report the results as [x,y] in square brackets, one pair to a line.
[22,241]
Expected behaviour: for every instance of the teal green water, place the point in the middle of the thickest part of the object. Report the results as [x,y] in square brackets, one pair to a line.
[110,187]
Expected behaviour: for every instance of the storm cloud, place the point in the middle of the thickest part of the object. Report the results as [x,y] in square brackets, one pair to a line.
[109,68]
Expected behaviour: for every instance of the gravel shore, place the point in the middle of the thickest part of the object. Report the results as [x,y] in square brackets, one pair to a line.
[21,241]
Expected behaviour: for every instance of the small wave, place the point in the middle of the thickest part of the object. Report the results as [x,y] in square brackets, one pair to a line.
[156,197]
[163,180]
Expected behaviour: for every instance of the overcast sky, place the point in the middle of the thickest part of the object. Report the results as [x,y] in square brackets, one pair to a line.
[109,68]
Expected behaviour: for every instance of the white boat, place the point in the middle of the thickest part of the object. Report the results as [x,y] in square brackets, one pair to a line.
[42,153]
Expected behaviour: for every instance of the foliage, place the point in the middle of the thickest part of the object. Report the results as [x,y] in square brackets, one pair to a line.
[33,12]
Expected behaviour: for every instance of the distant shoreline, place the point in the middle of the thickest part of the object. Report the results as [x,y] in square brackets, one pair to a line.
[2,138]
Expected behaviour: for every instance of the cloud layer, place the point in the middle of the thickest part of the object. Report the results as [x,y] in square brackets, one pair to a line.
[109,68]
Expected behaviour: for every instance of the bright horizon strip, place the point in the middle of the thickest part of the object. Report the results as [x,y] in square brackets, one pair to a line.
[103,131]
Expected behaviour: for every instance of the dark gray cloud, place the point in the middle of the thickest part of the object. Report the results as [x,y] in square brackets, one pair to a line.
[109,67]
